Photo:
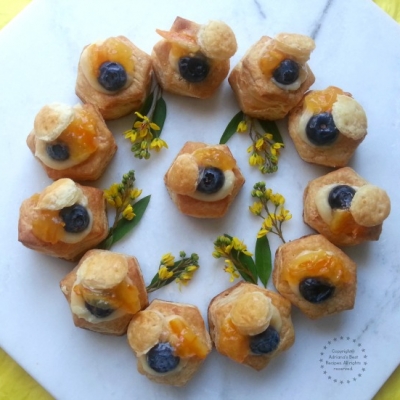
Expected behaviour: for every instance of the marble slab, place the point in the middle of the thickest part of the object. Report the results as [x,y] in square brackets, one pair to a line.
[357,50]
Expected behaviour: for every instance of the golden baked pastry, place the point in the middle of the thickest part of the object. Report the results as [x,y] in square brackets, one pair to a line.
[170,341]
[345,208]
[192,59]
[327,127]
[203,180]
[114,75]
[250,325]
[71,142]
[104,291]
[273,75]
[64,220]
[315,276]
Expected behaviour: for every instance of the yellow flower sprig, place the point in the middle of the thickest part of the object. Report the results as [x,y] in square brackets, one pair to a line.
[238,260]
[276,215]
[265,150]
[122,197]
[169,270]
[146,130]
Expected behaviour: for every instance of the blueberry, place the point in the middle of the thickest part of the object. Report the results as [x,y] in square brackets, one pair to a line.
[287,72]
[161,358]
[340,196]
[321,129]
[76,218]
[100,310]
[211,179]
[58,151]
[315,291]
[193,69]
[112,76]
[265,342]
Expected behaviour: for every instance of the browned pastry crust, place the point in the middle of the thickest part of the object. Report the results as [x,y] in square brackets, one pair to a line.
[116,105]
[257,94]
[141,329]
[350,234]
[194,207]
[345,290]
[67,251]
[335,155]
[93,167]
[169,77]
[221,305]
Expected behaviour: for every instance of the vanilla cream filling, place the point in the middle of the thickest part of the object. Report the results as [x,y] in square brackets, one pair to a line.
[321,202]
[225,190]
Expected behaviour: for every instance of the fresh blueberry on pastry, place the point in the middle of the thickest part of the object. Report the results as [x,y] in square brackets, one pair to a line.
[203,180]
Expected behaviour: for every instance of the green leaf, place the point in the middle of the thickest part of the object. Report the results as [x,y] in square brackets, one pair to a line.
[147,104]
[271,127]
[263,259]
[248,263]
[231,129]
[124,226]
[160,113]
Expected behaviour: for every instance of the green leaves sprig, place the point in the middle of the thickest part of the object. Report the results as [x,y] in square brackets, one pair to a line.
[128,213]
[239,261]
[266,140]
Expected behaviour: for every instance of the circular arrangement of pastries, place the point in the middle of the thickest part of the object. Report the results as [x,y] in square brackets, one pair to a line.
[64,220]
[192,59]
[170,341]
[203,180]
[104,291]
[71,142]
[250,325]
[273,75]
[345,208]
[114,75]
[315,276]
[327,126]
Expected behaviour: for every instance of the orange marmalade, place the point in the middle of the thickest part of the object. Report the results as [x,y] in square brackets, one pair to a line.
[47,224]
[343,222]
[123,296]
[80,136]
[319,101]
[271,60]
[316,264]
[114,50]
[232,343]
[187,343]
[212,157]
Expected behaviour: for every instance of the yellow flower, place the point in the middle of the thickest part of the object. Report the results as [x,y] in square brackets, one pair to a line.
[131,134]
[284,215]
[146,122]
[164,273]
[268,222]
[256,159]
[217,254]
[268,136]
[168,260]
[118,201]
[144,145]
[261,233]
[256,208]
[240,246]
[242,127]
[135,193]
[268,194]
[260,144]
[157,144]
[231,270]
[250,149]
[128,213]
[277,199]
[278,145]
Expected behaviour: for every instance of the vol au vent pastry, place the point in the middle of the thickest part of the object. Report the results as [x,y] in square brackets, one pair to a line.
[104,291]
[250,325]
[114,75]
[192,59]
[71,142]
[345,208]
[203,180]
[170,341]
[315,276]
[273,75]
[327,127]
[64,220]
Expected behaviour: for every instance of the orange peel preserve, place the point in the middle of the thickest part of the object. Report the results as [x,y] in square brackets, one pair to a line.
[212,157]
[319,101]
[232,343]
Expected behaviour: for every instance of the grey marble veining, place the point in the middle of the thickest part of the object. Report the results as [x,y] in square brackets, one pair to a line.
[357,50]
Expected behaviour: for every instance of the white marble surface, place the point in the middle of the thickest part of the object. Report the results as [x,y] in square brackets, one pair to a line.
[357,49]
